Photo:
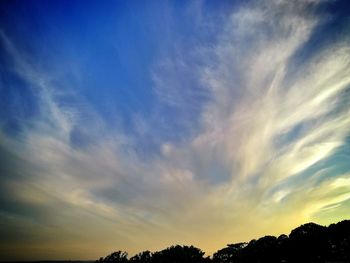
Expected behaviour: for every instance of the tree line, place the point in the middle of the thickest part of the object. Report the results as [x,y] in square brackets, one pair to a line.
[307,243]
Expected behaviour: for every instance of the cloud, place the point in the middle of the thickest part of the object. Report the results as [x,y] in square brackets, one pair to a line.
[264,117]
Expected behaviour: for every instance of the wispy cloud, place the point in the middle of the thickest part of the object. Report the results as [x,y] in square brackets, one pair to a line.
[265,118]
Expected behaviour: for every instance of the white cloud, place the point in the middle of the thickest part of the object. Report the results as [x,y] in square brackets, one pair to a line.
[263,125]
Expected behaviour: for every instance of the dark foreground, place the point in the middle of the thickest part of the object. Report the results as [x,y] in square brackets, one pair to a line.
[52,261]
[308,243]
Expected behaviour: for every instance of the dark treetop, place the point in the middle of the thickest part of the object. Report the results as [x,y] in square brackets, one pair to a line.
[307,243]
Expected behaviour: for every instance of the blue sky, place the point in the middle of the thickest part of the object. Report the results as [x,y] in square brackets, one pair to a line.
[140,124]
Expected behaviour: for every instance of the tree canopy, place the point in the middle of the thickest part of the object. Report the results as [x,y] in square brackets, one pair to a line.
[311,243]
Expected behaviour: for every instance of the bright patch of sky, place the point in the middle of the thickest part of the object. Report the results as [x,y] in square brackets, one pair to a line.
[137,125]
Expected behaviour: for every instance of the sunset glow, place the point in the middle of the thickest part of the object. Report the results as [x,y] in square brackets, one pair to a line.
[136,125]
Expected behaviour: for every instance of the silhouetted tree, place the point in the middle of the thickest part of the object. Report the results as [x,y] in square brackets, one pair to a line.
[339,241]
[116,257]
[282,247]
[179,254]
[262,250]
[143,257]
[231,253]
[309,243]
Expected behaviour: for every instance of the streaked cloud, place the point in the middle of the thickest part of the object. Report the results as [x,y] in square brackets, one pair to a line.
[262,126]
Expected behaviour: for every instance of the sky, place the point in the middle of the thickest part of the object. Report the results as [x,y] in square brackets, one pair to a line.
[136,125]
